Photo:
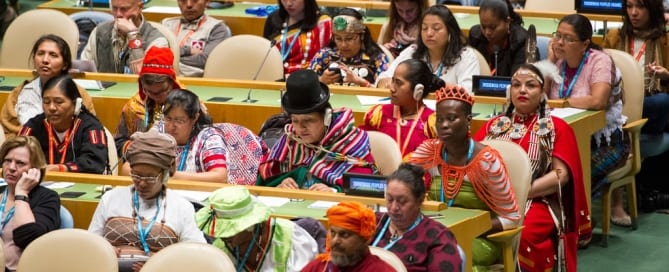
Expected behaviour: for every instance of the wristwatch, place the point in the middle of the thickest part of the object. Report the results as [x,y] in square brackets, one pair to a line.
[22,197]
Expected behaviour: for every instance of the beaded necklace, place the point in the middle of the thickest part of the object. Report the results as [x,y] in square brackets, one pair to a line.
[451,189]
[142,231]
[285,52]
[10,214]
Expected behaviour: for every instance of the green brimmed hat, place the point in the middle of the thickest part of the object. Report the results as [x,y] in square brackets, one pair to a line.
[231,210]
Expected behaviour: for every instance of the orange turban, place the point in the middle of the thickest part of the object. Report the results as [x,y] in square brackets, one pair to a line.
[352,216]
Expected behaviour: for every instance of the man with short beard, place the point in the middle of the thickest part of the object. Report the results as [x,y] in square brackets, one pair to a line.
[351,228]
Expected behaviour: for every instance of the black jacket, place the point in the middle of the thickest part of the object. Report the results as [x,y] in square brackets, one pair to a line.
[509,58]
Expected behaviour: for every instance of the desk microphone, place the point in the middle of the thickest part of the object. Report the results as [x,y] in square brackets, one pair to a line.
[496,49]
[248,95]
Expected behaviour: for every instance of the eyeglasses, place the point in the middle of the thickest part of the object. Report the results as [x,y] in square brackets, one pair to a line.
[566,39]
[165,89]
[149,180]
[176,122]
[348,39]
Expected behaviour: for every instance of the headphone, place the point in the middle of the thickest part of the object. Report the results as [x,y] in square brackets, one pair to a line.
[418,92]
[327,117]
[77,106]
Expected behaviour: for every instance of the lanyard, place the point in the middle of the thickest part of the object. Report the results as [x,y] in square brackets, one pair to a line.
[566,93]
[284,37]
[241,262]
[642,50]
[470,152]
[10,214]
[439,68]
[143,232]
[403,146]
[184,156]
[66,142]
[393,241]
[190,32]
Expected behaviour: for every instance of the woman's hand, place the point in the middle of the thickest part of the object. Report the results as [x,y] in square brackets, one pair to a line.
[329,77]
[288,183]
[28,181]
[657,70]
[551,54]
[390,45]
[320,187]
[353,78]
[136,266]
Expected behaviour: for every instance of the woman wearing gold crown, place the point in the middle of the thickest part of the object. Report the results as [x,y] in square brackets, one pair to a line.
[474,174]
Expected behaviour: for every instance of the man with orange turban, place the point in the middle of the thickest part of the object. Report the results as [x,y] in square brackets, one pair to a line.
[351,228]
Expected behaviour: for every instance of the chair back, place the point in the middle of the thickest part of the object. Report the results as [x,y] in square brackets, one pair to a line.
[66,219]
[389,54]
[518,168]
[189,256]
[542,45]
[244,152]
[389,257]
[69,250]
[241,57]
[632,83]
[27,28]
[483,63]
[386,152]
[172,42]
[112,156]
[86,21]
[382,33]
[553,6]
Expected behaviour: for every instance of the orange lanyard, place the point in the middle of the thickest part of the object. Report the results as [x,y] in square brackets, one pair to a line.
[642,50]
[398,116]
[52,143]
[190,32]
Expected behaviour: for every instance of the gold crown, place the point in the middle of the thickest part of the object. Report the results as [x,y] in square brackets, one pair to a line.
[454,92]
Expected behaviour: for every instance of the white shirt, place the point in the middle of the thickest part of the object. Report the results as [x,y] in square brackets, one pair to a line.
[29,102]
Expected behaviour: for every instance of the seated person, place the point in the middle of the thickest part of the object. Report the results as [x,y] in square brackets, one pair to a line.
[118,46]
[28,210]
[407,119]
[300,30]
[320,144]
[51,57]
[403,24]
[71,137]
[162,216]
[422,243]
[156,79]
[352,225]
[198,34]
[352,57]
[556,165]
[500,36]
[242,227]
[466,173]
[443,46]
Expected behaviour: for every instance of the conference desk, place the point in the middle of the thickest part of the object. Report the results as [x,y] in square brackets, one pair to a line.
[466,224]
[241,23]
[109,102]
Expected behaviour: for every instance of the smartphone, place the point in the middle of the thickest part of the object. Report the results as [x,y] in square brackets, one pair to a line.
[336,70]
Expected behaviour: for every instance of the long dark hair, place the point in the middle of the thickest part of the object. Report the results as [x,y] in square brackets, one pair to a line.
[419,72]
[656,20]
[190,103]
[502,9]
[369,46]
[394,17]
[582,27]
[311,14]
[62,46]
[67,87]
[456,40]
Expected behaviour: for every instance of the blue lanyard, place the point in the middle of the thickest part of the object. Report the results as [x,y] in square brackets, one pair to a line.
[567,93]
[240,263]
[440,68]
[392,242]
[143,232]
[184,156]
[286,51]
[146,116]
[2,211]
[444,155]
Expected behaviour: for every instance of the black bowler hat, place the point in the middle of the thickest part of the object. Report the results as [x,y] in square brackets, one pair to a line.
[304,93]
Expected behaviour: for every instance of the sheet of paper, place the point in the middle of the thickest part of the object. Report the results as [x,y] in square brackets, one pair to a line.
[322,204]
[430,103]
[163,9]
[89,84]
[372,100]
[193,196]
[273,201]
[59,185]
[565,112]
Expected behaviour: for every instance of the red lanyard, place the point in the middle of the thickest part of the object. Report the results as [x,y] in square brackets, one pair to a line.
[398,116]
[642,50]
[66,142]
[190,32]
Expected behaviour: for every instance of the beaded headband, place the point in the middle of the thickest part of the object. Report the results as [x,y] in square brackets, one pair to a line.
[529,73]
[454,92]
[347,23]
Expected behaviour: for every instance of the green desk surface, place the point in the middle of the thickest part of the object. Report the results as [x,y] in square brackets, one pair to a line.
[265,97]
[449,216]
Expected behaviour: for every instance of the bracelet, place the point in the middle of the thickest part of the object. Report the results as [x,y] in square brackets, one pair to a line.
[366,84]
[135,44]
[61,168]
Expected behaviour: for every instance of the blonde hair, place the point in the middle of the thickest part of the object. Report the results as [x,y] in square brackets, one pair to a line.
[37,159]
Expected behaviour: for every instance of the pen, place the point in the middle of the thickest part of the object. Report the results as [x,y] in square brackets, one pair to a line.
[384,99]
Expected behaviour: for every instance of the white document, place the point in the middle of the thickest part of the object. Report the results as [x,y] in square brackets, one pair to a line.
[273,201]
[372,100]
[163,9]
[194,196]
[565,112]
[322,204]
[89,84]
[58,185]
